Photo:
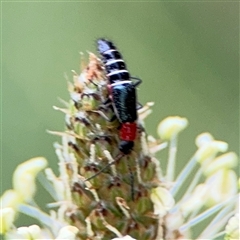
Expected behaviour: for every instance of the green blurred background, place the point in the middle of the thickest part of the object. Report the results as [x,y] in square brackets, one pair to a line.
[185,52]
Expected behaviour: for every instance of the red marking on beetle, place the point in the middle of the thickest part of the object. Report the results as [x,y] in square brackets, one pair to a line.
[128,131]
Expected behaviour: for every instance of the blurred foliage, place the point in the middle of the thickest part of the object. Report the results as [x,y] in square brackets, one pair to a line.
[185,52]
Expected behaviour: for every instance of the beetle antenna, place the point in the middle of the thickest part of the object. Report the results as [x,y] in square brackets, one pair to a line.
[119,156]
[131,180]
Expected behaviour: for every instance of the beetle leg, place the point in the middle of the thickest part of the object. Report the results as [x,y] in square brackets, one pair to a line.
[94,95]
[139,106]
[104,115]
[131,179]
[106,104]
[138,82]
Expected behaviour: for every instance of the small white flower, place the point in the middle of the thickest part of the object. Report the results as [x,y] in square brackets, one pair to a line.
[222,185]
[162,200]
[203,138]
[196,200]
[67,232]
[171,126]
[11,198]
[79,80]
[124,238]
[232,228]
[88,103]
[174,221]
[225,161]
[24,177]
[35,231]
[24,233]
[7,216]
[209,149]
[57,184]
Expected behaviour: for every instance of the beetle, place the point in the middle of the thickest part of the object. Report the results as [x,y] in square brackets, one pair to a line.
[122,97]
[122,93]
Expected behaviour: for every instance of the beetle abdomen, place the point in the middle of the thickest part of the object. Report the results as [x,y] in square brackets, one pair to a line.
[114,64]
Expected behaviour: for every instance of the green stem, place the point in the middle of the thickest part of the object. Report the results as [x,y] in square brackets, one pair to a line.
[218,222]
[172,159]
[183,175]
[217,235]
[53,224]
[205,215]
[190,189]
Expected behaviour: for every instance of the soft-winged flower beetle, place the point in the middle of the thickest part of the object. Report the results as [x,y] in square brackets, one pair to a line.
[122,93]
[122,96]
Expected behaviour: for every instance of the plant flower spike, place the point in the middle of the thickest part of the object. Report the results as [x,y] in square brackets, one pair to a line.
[110,186]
